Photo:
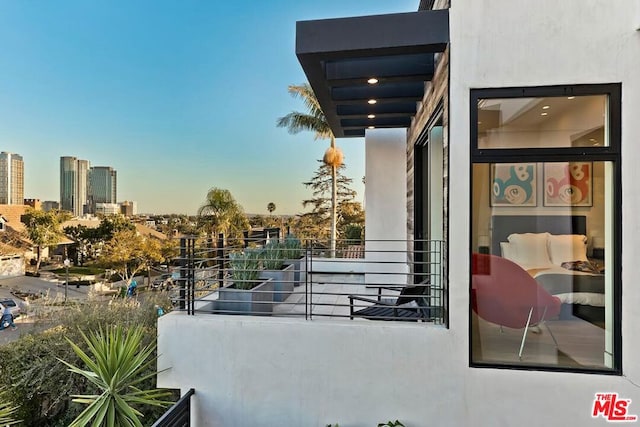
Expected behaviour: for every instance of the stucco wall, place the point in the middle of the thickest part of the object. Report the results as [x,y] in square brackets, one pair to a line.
[385,210]
[502,43]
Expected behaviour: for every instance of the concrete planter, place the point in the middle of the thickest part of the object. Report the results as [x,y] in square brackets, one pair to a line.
[299,270]
[283,281]
[256,301]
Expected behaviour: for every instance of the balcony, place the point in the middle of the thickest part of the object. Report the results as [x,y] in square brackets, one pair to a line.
[378,280]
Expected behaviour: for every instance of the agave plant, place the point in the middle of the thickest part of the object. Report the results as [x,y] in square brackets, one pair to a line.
[117,366]
[7,409]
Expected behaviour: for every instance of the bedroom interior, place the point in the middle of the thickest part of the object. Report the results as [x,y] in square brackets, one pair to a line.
[551,216]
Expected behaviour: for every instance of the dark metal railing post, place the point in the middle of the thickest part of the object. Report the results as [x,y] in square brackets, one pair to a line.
[183,272]
[308,294]
[191,283]
[220,259]
[179,414]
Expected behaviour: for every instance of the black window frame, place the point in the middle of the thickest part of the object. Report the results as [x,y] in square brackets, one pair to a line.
[610,153]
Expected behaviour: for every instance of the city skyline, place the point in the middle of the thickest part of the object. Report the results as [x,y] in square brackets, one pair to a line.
[179,98]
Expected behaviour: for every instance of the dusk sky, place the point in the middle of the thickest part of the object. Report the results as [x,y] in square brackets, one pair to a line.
[177,96]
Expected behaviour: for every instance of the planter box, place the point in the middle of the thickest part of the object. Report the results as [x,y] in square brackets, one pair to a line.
[299,270]
[283,281]
[257,301]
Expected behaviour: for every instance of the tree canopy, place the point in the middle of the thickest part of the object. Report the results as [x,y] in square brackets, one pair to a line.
[316,224]
[43,229]
[220,213]
[129,253]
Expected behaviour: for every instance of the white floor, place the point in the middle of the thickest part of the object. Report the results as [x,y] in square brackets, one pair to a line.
[327,296]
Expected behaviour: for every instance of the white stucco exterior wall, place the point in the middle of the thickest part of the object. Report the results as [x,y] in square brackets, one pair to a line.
[386,201]
[252,371]
[503,43]
[386,183]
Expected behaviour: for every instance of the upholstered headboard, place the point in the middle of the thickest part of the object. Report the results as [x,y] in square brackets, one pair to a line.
[504,225]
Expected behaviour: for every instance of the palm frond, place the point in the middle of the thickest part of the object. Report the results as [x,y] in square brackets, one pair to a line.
[314,120]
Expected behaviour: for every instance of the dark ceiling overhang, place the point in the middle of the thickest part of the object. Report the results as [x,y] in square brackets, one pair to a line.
[340,55]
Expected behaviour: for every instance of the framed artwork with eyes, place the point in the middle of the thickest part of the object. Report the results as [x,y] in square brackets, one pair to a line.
[568,184]
[513,184]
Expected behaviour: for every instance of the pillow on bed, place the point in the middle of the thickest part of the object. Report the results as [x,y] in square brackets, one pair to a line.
[567,247]
[530,249]
[508,251]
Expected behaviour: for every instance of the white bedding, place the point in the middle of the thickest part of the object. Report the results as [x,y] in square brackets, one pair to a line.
[585,298]
[541,255]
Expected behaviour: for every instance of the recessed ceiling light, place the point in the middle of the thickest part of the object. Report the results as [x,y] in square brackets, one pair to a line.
[479,122]
[372,81]
[570,97]
[372,127]
[372,101]
[371,116]
[545,107]
[543,114]
[593,140]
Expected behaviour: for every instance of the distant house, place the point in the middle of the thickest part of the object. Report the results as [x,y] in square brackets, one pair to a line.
[14,247]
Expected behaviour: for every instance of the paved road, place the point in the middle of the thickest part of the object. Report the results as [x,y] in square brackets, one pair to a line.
[36,285]
[50,287]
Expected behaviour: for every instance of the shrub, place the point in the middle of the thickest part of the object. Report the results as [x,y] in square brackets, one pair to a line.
[42,385]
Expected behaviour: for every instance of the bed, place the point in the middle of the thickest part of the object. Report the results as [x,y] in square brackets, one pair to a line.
[553,249]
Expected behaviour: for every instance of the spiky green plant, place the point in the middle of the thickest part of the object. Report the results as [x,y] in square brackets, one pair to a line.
[273,256]
[7,409]
[245,268]
[395,423]
[291,247]
[117,365]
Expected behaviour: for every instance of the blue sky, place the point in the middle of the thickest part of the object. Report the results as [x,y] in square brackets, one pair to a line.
[177,96]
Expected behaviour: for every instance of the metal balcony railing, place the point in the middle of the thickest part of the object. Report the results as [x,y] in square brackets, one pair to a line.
[179,414]
[372,280]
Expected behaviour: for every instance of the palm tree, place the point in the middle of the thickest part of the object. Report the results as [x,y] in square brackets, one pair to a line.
[314,120]
[220,213]
[271,207]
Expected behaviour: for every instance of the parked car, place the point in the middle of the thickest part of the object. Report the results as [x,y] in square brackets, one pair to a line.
[13,306]
[164,281]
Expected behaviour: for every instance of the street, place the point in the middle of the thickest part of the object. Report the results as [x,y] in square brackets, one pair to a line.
[47,286]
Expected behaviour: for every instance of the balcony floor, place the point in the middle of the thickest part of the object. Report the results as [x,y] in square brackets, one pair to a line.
[327,296]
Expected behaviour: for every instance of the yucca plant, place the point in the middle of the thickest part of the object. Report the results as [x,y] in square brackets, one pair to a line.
[7,409]
[245,268]
[116,365]
[291,247]
[272,256]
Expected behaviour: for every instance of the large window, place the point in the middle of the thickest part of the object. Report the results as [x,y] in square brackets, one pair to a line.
[546,228]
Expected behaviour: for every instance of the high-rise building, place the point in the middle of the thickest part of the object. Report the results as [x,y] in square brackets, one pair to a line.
[74,174]
[102,186]
[11,179]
